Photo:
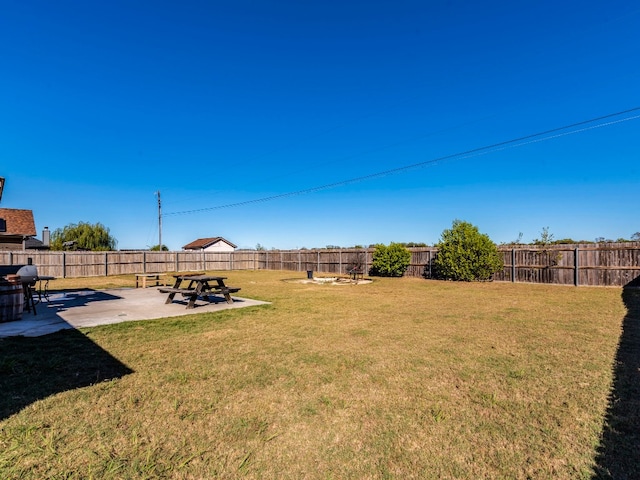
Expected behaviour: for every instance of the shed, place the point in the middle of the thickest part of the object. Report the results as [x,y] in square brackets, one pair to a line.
[213,244]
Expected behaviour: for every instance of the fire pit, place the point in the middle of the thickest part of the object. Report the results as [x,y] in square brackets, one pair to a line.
[329,281]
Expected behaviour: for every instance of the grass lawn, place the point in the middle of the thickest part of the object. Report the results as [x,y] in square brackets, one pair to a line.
[400,378]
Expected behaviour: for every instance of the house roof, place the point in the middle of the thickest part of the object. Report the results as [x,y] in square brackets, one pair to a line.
[19,222]
[34,244]
[206,242]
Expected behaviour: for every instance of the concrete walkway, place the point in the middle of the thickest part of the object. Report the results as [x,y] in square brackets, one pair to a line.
[89,308]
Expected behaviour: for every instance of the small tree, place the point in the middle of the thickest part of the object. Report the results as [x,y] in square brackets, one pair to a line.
[84,236]
[466,254]
[545,239]
[158,248]
[356,263]
[391,261]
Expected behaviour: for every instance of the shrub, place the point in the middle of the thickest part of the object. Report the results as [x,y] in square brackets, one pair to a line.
[466,254]
[391,261]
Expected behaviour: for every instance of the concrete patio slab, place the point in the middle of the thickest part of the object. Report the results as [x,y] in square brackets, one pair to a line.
[89,308]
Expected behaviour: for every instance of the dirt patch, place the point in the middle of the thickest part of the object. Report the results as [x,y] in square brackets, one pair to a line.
[330,281]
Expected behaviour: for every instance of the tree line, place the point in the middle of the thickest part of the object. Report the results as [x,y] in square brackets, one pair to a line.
[463,252]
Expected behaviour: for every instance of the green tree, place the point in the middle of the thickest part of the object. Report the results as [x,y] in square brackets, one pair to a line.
[83,236]
[466,254]
[565,241]
[391,261]
[158,248]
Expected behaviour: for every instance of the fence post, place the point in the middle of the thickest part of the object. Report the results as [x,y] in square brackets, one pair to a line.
[577,272]
[177,262]
[318,252]
[106,264]
[299,261]
[231,260]
[64,264]
[513,265]
[366,259]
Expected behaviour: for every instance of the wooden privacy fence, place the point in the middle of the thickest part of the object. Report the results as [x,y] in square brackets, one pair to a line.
[597,265]
[604,265]
[594,265]
[92,264]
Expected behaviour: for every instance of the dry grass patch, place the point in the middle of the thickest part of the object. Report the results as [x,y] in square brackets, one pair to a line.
[401,378]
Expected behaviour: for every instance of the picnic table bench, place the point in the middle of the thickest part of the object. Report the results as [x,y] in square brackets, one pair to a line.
[204,286]
[143,278]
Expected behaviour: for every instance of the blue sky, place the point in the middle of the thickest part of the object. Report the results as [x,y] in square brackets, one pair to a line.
[227,103]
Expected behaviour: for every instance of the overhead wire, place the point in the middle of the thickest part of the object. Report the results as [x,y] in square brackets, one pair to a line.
[570,43]
[584,31]
[414,97]
[484,150]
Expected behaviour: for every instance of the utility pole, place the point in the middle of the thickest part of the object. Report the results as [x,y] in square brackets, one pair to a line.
[3,221]
[159,222]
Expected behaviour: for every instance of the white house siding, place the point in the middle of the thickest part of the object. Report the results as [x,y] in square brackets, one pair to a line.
[219,247]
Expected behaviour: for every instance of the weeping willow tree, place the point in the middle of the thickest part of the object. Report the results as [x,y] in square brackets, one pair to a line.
[83,236]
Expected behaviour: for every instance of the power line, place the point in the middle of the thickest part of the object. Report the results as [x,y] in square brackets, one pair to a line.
[513,143]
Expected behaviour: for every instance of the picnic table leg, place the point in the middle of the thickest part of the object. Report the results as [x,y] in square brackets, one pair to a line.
[173,294]
[227,295]
[206,294]
[170,297]
[225,291]
[192,300]
[193,297]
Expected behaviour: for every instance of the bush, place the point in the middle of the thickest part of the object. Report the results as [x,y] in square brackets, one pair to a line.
[466,254]
[391,261]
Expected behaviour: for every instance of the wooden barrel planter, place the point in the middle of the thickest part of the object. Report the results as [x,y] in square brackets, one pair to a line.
[11,299]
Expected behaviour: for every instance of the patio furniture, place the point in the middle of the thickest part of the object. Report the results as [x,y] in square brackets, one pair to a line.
[204,286]
[154,279]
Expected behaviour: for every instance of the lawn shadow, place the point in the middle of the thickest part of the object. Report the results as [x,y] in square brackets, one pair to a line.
[618,456]
[34,368]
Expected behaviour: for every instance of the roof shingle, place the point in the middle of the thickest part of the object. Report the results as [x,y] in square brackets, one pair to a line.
[205,242]
[19,222]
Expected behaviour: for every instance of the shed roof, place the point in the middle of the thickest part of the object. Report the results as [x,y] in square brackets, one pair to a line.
[206,242]
[19,222]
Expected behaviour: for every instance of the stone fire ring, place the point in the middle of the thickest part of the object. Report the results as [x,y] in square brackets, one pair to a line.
[330,281]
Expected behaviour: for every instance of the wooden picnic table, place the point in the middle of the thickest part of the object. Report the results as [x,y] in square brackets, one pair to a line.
[153,279]
[205,286]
